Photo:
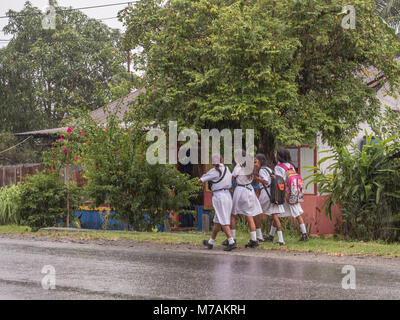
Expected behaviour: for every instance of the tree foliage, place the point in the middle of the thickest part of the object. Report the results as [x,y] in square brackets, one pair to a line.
[45,72]
[285,68]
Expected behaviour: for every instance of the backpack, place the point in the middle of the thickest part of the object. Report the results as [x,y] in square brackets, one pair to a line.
[294,185]
[277,187]
[210,183]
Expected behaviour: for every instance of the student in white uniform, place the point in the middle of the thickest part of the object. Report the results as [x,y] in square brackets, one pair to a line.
[263,177]
[245,200]
[282,156]
[221,178]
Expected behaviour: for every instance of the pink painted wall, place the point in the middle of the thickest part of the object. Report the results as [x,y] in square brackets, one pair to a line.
[314,215]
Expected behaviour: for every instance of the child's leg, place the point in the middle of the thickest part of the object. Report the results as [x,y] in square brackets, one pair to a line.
[233,226]
[273,228]
[301,224]
[258,223]
[214,232]
[277,223]
[228,233]
[252,227]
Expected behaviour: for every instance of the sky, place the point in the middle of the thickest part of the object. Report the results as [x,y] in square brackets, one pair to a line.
[98,13]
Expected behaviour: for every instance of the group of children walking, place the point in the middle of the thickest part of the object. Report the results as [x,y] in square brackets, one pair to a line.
[246,202]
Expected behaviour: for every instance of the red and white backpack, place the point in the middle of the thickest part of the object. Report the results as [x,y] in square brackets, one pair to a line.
[294,185]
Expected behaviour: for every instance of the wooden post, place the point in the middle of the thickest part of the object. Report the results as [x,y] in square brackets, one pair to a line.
[166,225]
[67,176]
[205,223]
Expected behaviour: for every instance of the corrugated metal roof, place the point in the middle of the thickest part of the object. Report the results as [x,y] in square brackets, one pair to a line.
[121,106]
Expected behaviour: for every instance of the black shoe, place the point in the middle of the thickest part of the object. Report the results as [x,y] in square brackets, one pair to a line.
[209,246]
[280,243]
[226,242]
[304,237]
[230,247]
[252,244]
[268,238]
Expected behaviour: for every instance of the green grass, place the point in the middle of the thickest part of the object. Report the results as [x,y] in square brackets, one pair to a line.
[331,245]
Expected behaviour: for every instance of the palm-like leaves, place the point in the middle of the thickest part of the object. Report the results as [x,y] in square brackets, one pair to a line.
[389,10]
[366,184]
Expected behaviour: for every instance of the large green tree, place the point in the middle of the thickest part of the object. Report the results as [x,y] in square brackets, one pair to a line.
[45,72]
[285,68]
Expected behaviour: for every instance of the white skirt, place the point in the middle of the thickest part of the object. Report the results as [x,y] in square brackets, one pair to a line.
[222,203]
[268,207]
[291,210]
[245,202]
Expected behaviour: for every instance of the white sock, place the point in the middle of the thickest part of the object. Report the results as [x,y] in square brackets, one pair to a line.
[211,241]
[272,231]
[233,231]
[280,236]
[303,228]
[231,241]
[253,236]
[259,234]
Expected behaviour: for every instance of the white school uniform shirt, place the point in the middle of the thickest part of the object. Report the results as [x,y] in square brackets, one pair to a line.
[268,207]
[213,175]
[222,199]
[245,200]
[293,210]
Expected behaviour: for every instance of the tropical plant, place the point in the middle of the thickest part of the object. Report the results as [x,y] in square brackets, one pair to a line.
[389,10]
[366,185]
[9,204]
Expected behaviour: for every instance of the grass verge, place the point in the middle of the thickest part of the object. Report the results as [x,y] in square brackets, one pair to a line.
[331,245]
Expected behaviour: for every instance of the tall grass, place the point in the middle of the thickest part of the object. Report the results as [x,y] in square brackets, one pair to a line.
[9,199]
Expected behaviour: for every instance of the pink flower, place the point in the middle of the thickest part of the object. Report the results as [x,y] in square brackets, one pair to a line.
[65,150]
[82,132]
[70,129]
[105,128]
[76,158]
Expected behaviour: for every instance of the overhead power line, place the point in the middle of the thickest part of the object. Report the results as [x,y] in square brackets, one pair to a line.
[84,8]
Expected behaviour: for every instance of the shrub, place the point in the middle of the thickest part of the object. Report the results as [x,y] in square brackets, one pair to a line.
[119,175]
[366,185]
[43,200]
[9,204]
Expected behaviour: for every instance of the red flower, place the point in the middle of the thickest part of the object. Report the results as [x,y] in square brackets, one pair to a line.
[65,150]
[76,158]
[115,152]
[70,129]
[67,135]
[82,132]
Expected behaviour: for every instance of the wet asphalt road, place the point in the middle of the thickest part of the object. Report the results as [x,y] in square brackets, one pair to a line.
[137,271]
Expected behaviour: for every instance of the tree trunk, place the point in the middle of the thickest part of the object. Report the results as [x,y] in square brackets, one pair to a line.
[268,143]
